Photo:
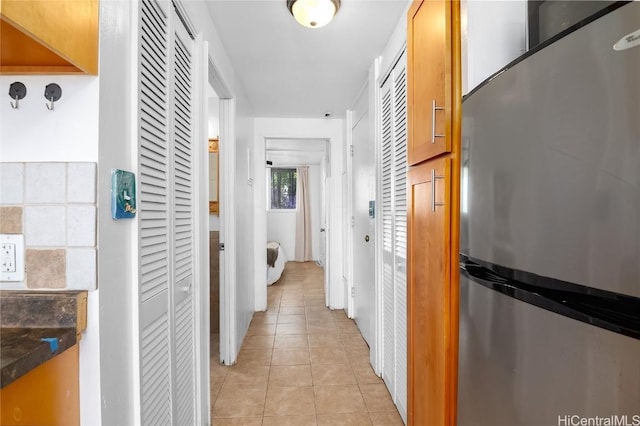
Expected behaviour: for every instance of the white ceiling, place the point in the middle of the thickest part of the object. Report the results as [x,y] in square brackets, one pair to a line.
[291,71]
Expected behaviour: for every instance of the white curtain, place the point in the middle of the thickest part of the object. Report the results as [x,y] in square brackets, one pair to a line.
[303,217]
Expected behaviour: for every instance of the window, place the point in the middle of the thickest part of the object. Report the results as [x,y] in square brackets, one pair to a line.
[283,188]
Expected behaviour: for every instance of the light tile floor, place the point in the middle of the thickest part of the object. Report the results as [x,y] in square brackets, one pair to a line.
[300,364]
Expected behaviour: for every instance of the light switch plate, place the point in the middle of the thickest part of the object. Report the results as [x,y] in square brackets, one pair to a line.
[11,257]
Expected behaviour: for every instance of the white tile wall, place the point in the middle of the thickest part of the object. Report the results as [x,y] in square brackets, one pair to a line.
[44,226]
[81,269]
[81,225]
[11,183]
[45,183]
[59,202]
[81,183]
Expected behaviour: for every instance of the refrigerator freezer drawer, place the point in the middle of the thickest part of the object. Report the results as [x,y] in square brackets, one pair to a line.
[523,365]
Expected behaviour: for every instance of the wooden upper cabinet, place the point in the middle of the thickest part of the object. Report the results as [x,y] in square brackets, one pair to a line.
[49,36]
[429,79]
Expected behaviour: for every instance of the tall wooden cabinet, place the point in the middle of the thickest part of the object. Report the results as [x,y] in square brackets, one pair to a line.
[434,106]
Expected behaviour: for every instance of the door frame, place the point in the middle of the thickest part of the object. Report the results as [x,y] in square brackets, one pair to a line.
[301,129]
[227,230]
[201,243]
[324,218]
[371,89]
[260,224]
[228,312]
[347,178]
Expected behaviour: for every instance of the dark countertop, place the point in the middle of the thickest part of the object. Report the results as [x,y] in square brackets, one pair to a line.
[27,317]
[22,350]
[38,309]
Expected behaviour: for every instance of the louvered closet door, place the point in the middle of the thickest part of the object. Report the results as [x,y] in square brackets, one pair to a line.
[183,224]
[400,230]
[394,233]
[154,214]
[166,218]
[388,293]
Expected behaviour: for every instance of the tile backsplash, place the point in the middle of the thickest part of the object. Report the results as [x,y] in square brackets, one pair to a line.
[54,206]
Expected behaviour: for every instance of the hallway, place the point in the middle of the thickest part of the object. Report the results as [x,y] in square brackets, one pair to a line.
[300,364]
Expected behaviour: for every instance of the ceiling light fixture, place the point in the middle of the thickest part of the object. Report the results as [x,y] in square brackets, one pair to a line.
[313,13]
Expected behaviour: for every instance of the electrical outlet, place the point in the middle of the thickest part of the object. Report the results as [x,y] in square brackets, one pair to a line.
[11,257]
[8,257]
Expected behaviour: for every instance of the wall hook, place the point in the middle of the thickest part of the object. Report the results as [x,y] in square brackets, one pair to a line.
[17,91]
[52,93]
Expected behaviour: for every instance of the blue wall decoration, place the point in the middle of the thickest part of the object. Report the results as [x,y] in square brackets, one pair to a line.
[123,194]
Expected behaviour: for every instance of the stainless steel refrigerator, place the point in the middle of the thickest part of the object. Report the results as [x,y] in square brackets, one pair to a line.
[550,234]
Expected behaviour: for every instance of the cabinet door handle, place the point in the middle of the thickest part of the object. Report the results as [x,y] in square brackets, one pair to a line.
[433,190]
[434,108]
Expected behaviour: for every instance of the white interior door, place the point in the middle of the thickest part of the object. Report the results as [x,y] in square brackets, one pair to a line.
[363,228]
[166,217]
[324,221]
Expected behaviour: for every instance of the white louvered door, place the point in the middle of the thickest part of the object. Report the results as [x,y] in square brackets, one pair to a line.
[394,233]
[153,214]
[166,219]
[400,230]
[183,224]
[388,292]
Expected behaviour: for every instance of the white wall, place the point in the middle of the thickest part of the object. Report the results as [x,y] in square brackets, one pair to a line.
[281,227]
[90,365]
[302,128]
[69,133]
[242,243]
[33,133]
[245,222]
[198,16]
[117,240]
[213,120]
[281,224]
[493,34]
[214,222]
